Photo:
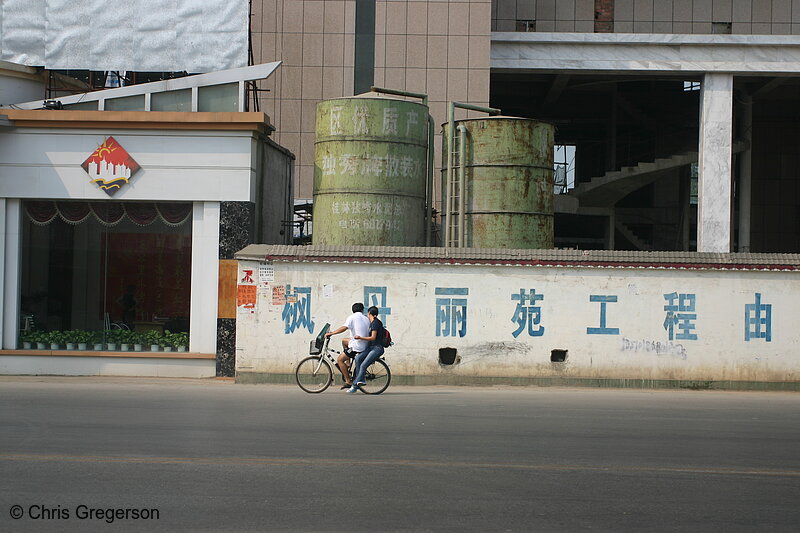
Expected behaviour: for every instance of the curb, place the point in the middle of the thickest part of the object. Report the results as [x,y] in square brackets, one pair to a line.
[609,383]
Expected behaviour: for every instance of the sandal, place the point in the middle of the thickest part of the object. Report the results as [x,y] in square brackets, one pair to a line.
[346,386]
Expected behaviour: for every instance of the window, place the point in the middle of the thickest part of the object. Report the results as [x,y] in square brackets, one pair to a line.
[564,168]
[526,25]
[722,28]
[101,268]
[691,86]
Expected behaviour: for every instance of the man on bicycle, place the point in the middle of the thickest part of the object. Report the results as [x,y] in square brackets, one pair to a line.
[358,325]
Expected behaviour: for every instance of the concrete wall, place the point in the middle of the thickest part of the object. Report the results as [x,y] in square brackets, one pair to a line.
[628,323]
[775,17]
[175,165]
[436,47]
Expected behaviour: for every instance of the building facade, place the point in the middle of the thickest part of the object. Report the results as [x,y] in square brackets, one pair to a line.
[677,116]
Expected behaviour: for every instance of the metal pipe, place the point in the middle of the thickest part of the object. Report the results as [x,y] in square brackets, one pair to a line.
[448,201]
[462,180]
[397,92]
[429,185]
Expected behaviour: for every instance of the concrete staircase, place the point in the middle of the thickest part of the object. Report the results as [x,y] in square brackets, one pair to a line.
[608,189]
[632,237]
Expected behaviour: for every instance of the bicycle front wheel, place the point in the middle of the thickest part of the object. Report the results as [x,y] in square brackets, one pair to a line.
[377,377]
[313,374]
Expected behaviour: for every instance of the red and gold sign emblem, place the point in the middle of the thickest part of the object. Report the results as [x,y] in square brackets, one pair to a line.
[110,166]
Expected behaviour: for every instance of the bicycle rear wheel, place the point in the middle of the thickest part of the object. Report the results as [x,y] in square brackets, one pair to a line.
[377,377]
[313,374]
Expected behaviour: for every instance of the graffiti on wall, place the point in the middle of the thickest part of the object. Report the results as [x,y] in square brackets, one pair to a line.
[681,315]
[377,296]
[527,314]
[667,348]
[758,320]
[297,310]
[450,311]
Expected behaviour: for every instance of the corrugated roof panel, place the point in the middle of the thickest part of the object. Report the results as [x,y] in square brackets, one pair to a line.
[588,258]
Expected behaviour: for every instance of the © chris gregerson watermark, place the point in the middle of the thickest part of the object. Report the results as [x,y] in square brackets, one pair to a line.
[82,512]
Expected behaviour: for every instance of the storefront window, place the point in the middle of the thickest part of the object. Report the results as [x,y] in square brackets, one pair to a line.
[115,274]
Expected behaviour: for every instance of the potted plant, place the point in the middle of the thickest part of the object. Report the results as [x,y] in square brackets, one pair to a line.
[97,340]
[154,338]
[83,339]
[73,339]
[27,338]
[137,339]
[126,339]
[40,338]
[180,340]
[55,339]
[112,338]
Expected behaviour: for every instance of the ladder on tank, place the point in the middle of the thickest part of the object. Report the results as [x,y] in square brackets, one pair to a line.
[454,192]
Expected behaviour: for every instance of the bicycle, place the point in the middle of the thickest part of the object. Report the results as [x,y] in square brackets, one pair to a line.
[314,374]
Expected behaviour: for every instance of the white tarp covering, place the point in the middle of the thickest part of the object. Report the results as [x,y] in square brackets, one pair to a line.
[142,35]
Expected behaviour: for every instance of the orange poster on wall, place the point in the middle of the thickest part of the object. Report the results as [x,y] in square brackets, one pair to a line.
[246,298]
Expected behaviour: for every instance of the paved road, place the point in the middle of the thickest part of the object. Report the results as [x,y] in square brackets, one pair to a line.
[215,456]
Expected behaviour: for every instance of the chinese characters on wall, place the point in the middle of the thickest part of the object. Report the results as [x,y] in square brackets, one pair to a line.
[449,311]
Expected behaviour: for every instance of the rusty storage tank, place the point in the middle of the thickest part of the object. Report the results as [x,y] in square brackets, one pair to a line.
[508,177]
[370,171]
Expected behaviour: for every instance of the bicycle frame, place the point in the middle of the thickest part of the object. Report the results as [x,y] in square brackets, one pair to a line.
[326,353]
[321,363]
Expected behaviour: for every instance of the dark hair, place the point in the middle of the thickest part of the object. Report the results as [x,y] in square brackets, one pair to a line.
[373,311]
[358,307]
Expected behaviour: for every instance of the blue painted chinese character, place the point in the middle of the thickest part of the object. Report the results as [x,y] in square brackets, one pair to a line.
[758,320]
[527,315]
[451,313]
[603,329]
[377,296]
[681,313]
[297,310]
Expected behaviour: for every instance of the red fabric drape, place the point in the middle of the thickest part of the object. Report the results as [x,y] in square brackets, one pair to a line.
[41,212]
[141,214]
[108,213]
[174,214]
[73,212]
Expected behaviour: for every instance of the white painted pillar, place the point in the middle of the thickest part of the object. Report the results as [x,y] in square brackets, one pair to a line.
[205,277]
[714,164]
[745,176]
[11,246]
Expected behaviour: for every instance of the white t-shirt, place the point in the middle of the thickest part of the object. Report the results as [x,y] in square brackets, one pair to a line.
[358,324]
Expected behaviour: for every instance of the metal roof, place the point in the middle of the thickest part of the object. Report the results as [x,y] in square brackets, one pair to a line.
[502,256]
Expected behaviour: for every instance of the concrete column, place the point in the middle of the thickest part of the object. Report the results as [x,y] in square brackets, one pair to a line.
[611,228]
[12,239]
[205,277]
[714,164]
[745,175]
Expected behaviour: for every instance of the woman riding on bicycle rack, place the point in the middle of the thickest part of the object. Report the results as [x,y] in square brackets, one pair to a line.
[358,324]
[375,350]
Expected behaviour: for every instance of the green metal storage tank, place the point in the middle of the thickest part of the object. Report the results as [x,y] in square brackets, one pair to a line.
[370,172]
[508,177]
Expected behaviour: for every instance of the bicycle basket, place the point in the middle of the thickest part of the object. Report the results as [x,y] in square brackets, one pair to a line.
[320,340]
[313,349]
